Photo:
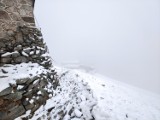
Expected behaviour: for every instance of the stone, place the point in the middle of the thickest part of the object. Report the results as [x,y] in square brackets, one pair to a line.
[29,106]
[15,54]
[16,112]
[2,51]
[10,33]
[14,96]
[2,45]
[11,105]
[4,71]
[22,1]
[22,81]
[8,2]
[28,19]
[3,115]
[32,80]
[3,76]
[26,8]
[27,51]
[21,59]
[35,108]
[43,83]
[19,37]
[6,60]
[25,102]
[29,94]
[4,15]
[1,101]
[6,91]
[44,93]
[19,47]
[2,5]
[41,100]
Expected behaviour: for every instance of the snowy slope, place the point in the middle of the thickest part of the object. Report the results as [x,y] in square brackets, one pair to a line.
[89,96]
[119,101]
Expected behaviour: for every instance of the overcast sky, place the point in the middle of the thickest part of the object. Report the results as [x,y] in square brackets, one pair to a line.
[119,38]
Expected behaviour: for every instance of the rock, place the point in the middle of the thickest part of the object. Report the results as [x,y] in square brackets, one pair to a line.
[15,54]
[29,94]
[21,59]
[2,51]
[19,47]
[3,76]
[6,60]
[27,51]
[2,45]
[28,19]
[43,83]
[8,2]
[10,105]
[25,102]
[14,96]
[22,81]
[41,100]
[19,37]
[4,15]
[16,112]
[44,93]
[4,71]
[10,33]
[35,108]
[6,91]
[2,5]
[29,106]
[1,101]
[3,115]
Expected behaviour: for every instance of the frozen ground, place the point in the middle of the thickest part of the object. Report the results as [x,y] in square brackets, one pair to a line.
[89,96]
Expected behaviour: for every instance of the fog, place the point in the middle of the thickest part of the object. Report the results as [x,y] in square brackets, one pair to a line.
[119,38]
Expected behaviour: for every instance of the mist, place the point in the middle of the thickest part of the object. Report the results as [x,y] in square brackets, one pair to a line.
[119,38]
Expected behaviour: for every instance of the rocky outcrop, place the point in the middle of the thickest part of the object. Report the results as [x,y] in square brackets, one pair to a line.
[27,94]
[14,13]
[24,45]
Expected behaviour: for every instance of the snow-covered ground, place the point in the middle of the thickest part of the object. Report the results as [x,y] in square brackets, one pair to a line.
[89,96]
[120,101]
[10,73]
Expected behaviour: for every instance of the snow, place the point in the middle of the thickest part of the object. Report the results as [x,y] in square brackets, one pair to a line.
[14,72]
[25,54]
[8,54]
[119,101]
[77,113]
[90,94]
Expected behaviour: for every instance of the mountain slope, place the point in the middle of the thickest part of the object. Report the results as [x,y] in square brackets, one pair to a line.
[84,96]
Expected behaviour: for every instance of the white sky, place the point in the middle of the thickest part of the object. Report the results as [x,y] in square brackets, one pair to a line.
[120,38]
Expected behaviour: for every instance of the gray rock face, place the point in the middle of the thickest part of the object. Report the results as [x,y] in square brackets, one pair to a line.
[25,45]
[34,93]
[21,59]
[6,60]
[6,91]
[14,96]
